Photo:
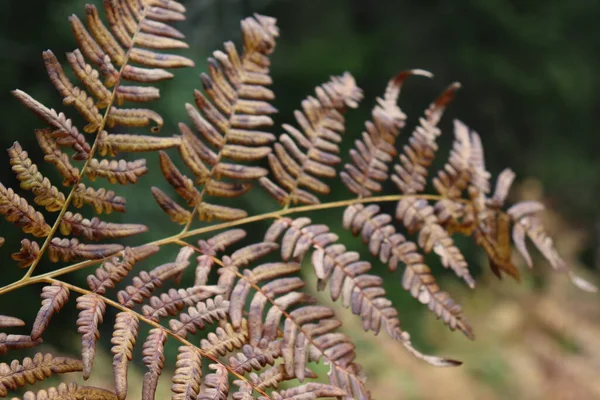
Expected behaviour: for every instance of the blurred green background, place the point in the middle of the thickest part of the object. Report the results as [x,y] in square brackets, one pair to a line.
[529,71]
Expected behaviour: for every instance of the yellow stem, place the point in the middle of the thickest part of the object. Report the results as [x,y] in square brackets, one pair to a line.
[28,280]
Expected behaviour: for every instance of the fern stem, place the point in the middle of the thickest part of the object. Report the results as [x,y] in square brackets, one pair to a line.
[28,280]
[313,207]
[65,207]
[169,332]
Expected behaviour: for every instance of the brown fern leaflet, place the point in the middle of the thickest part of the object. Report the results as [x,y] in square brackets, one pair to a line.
[264,326]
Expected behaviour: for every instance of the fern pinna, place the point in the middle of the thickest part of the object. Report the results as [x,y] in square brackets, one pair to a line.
[264,326]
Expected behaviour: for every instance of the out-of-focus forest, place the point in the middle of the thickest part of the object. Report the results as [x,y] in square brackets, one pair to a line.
[529,71]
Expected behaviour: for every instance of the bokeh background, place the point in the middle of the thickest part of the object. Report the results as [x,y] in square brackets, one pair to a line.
[529,71]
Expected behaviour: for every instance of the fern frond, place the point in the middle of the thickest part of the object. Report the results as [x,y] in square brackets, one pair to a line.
[46,195]
[124,337]
[177,213]
[392,248]
[309,331]
[63,130]
[102,200]
[54,297]
[322,124]
[38,368]
[90,317]
[410,175]
[188,374]
[311,390]
[347,277]
[112,271]
[27,254]
[154,359]
[95,229]
[456,175]
[204,312]
[12,342]
[377,147]
[172,302]
[71,391]
[526,223]
[114,171]
[225,339]
[7,321]
[71,250]
[228,119]
[115,143]
[16,210]
[216,384]
[145,283]
[419,216]
[55,156]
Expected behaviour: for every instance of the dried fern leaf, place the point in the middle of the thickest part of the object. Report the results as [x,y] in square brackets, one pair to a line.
[112,271]
[145,283]
[16,210]
[503,185]
[418,216]
[228,117]
[55,156]
[225,339]
[46,195]
[71,391]
[411,174]
[124,336]
[322,124]
[72,95]
[188,374]
[71,250]
[90,78]
[454,178]
[114,143]
[172,302]
[12,342]
[480,176]
[183,185]
[90,317]
[38,368]
[27,254]
[132,25]
[310,334]
[54,297]
[204,312]
[311,390]
[308,330]
[526,224]
[7,321]
[154,359]
[255,357]
[177,213]
[114,171]
[102,200]
[216,384]
[496,243]
[273,376]
[377,147]
[392,248]
[208,212]
[65,133]
[95,229]
[221,241]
